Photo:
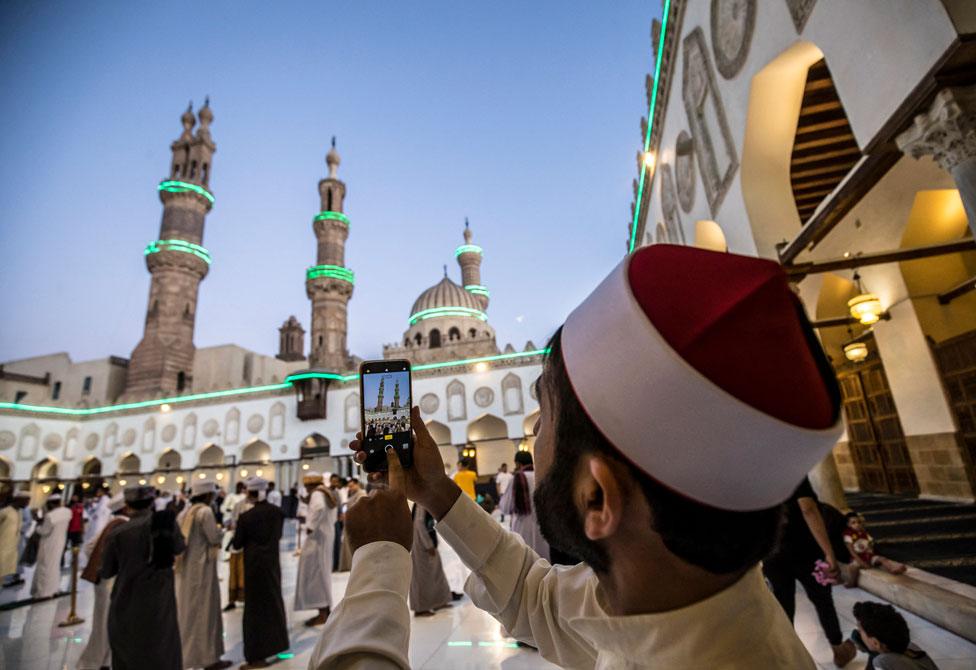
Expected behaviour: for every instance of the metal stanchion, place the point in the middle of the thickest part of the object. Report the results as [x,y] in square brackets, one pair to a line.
[73,618]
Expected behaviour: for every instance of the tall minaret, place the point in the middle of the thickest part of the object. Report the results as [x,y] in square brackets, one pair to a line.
[329,283]
[469,258]
[162,362]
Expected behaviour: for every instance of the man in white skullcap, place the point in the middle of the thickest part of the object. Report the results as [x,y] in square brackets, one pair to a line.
[97,653]
[258,535]
[197,587]
[53,530]
[680,405]
[313,590]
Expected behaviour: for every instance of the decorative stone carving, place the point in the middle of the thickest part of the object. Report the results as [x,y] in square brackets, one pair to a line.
[350,415]
[457,406]
[684,170]
[255,423]
[7,439]
[52,441]
[232,426]
[168,433]
[669,206]
[129,437]
[714,146]
[210,427]
[484,396]
[189,431]
[27,444]
[512,394]
[91,441]
[800,11]
[276,421]
[732,24]
[947,132]
[71,444]
[149,435]
[429,403]
[660,234]
[111,439]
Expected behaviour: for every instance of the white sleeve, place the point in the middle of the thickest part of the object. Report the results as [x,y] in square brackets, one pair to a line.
[316,508]
[535,602]
[371,626]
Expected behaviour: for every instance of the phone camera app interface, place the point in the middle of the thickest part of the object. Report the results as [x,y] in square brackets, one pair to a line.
[386,405]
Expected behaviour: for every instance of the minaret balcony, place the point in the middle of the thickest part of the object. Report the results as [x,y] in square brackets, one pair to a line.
[170,187]
[178,253]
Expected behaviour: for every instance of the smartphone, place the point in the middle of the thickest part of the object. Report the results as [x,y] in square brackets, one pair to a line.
[384,387]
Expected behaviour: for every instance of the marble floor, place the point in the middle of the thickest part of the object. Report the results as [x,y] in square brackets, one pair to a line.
[458,638]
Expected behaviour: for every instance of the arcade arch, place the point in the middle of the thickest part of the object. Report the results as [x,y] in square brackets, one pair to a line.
[211,455]
[442,437]
[169,460]
[489,434]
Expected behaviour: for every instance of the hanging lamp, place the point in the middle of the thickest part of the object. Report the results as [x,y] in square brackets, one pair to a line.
[865,307]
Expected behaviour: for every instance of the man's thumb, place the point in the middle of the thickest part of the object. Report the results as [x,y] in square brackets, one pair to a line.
[395,477]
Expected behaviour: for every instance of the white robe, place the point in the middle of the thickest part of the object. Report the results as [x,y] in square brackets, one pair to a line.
[559,610]
[9,540]
[54,534]
[525,525]
[100,516]
[97,653]
[198,591]
[313,589]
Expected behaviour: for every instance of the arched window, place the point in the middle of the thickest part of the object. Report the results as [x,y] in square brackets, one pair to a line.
[203,173]
[472,333]
[453,334]
[176,170]
[193,169]
[328,201]
[406,342]
[418,339]
[435,338]
[180,380]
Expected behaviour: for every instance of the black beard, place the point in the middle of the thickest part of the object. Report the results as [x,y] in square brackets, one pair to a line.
[559,520]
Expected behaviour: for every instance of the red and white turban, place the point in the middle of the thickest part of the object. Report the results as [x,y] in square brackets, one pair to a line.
[699,368]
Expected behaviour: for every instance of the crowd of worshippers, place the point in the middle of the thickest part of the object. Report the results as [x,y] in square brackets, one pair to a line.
[387,426]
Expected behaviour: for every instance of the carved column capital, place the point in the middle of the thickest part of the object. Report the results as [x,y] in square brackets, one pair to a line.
[947,132]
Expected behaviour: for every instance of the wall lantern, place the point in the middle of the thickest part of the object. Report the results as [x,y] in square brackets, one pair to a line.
[865,307]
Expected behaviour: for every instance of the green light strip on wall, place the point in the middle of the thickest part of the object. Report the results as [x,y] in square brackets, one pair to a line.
[253,389]
[145,403]
[332,216]
[468,249]
[478,289]
[435,312]
[333,271]
[179,245]
[173,186]
[650,122]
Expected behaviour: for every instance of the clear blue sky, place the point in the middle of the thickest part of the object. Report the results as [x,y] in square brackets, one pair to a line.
[522,116]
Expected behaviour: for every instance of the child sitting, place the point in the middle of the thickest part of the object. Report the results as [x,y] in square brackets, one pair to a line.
[860,544]
[883,634]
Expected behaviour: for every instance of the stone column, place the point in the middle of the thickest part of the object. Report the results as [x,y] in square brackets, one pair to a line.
[947,132]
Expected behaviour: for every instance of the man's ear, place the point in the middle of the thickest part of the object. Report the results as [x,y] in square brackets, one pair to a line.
[600,497]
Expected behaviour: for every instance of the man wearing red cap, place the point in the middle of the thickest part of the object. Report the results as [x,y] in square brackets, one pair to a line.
[680,405]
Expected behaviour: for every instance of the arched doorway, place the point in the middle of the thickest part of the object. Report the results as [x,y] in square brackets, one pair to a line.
[315,452]
[44,481]
[91,476]
[4,469]
[488,437]
[128,470]
[442,437]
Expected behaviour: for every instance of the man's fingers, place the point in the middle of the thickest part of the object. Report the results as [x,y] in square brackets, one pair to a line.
[395,478]
[418,425]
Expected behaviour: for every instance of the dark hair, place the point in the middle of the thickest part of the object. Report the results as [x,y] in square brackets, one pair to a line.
[523,458]
[852,515]
[884,623]
[140,504]
[720,541]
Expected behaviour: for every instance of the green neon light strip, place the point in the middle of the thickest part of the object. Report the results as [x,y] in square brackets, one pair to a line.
[145,403]
[255,389]
[650,122]
[478,289]
[333,271]
[179,245]
[173,186]
[435,312]
[468,249]
[332,216]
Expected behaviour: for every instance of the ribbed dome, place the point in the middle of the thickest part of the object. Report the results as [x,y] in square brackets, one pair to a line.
[445,294]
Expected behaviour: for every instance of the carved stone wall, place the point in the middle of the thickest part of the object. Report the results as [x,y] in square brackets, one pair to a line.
[732,24]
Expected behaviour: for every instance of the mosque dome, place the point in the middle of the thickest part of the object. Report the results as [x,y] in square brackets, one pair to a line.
[445,293]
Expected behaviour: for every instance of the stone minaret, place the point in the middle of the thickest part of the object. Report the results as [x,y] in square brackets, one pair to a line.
[162,362]
[291,341]
[379,397]
[396,396]
[469,258]
[329,283]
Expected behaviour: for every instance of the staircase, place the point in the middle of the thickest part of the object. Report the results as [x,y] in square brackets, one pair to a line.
[938,537]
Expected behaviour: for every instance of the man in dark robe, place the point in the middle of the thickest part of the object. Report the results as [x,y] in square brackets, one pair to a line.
[143,629]
[258,533]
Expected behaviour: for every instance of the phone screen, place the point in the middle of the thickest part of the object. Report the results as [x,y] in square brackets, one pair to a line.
[386,398]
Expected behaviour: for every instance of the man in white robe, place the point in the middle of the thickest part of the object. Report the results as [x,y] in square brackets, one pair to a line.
[663,453]
[97,653]
[100,515]
[9,535]
[313,589]
[53,530]
[197,587]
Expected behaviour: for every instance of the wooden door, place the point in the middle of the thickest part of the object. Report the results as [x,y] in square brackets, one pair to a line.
[956,358]
[877,442]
